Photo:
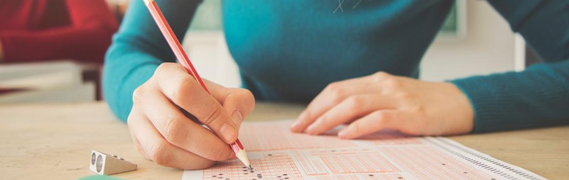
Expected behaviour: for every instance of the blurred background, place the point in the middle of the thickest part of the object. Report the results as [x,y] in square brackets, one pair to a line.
[474,40]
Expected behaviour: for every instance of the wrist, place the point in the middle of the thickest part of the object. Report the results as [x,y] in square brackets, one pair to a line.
[465,107]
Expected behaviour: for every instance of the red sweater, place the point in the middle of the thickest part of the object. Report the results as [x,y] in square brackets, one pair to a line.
[33,30]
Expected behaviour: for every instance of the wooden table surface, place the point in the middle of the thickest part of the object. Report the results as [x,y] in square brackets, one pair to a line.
[54,141]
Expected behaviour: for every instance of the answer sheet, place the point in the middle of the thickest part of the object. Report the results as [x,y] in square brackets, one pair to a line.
[277,153]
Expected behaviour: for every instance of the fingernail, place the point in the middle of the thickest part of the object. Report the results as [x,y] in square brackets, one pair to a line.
[295,125]
[343,133]
[311,129]
[228,132]
[237,117]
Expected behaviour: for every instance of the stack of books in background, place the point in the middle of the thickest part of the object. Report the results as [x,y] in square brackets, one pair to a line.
[46,82]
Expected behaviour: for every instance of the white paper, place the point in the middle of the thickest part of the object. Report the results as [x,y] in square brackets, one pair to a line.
[276,153]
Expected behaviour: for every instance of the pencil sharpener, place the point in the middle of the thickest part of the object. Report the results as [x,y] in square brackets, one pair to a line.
[106,164]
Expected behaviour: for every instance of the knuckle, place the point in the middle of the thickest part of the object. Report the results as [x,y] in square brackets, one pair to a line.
[378,76]
[337,95]
[381,74]
[324,119]
[356,102]
[162,69]
[212,114]
[130,119]
[393,83]
[130,122]
[182,89]
[336,92]
[406,95]
[333,86]
[160,154]
[165,67]
[381,117]
[134,117]
[138,95]
[173,133]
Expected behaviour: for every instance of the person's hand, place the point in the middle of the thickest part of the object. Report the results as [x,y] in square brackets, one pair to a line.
[163,134]
[383,101]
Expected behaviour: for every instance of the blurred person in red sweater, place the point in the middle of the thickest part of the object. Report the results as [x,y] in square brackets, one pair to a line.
[36,30]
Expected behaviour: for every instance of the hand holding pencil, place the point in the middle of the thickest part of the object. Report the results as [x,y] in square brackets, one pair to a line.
[163,133]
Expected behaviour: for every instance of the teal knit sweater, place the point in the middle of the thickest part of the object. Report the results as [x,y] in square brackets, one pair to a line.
[290,50]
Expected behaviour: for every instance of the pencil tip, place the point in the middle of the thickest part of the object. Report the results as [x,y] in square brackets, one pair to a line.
[250,168]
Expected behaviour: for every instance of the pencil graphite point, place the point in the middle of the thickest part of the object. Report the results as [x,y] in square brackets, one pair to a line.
[250,168]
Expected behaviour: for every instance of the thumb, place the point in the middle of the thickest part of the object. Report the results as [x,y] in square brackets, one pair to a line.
[238,103]
[187,93]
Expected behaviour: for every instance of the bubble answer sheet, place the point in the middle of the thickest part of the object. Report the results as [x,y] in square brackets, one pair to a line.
[277,153]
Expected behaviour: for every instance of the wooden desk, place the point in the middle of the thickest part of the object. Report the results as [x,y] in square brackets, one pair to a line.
[55,142]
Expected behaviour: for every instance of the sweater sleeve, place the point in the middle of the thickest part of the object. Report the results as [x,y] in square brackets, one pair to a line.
[538,96]
[138,48]
[85,39]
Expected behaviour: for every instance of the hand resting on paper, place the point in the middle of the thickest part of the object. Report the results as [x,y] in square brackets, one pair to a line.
[164,134]
[383,101]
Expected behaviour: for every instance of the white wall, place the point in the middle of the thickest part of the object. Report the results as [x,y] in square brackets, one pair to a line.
[209,53]
[489,46]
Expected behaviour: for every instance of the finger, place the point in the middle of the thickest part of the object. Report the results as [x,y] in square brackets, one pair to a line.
[331,96]
[370,79]
[130,122]
[376,121]
[162,152]
[237,102]
[138,146]
[350,109]
[181,131]
[181,88]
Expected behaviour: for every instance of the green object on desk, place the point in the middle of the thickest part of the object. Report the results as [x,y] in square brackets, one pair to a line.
[98,177]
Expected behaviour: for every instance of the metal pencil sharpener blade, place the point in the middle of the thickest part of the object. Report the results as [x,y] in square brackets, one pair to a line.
[106,164]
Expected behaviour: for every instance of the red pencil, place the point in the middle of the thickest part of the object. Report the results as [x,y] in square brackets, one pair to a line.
[185,61]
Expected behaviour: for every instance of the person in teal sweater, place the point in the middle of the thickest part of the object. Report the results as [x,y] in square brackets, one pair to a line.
[356,62]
